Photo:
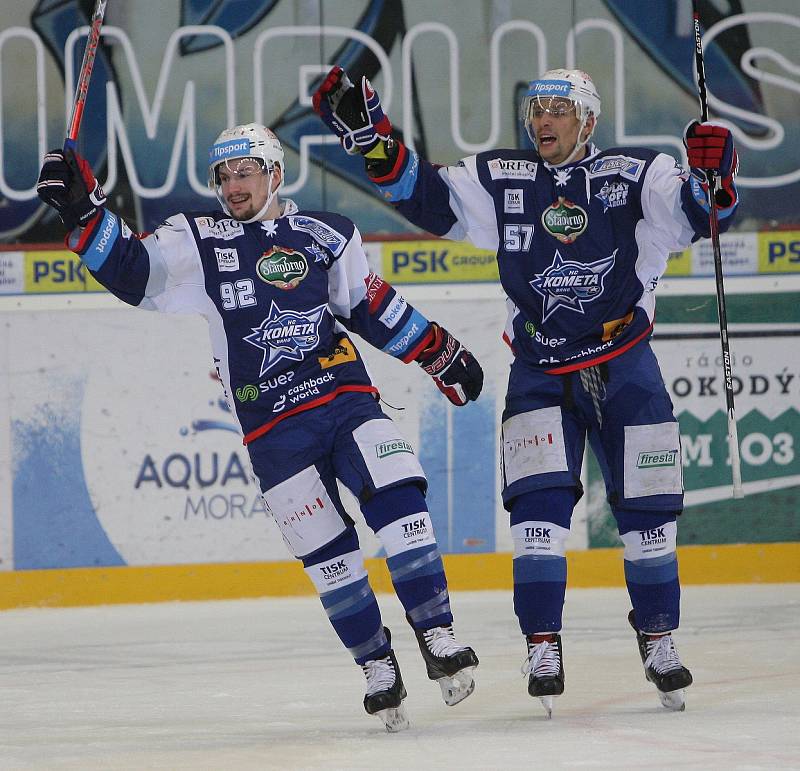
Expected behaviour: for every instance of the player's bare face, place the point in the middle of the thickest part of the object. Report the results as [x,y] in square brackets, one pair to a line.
[555,126]
[245,187]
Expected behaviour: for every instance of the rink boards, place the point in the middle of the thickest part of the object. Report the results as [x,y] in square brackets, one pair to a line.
[122,478]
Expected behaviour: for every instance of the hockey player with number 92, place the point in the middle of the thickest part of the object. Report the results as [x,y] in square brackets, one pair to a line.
[582,236]
[281,289]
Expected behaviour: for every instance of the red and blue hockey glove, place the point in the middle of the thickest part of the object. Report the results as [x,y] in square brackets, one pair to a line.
[66,183]
[710,148]
[453,368]
[353,113]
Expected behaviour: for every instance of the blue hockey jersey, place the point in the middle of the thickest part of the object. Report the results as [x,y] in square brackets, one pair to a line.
[580,249]
[280,297]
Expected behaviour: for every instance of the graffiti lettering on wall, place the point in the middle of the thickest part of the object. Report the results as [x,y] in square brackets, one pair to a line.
[148,134]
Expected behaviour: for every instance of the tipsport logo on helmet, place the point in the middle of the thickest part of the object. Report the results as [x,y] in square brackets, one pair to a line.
[549,88]
[286,335]
[569,284]
[233,148]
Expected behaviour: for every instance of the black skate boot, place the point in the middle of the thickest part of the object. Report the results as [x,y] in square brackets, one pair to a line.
[385,690]
[545,668]
[448,663]
[663,667]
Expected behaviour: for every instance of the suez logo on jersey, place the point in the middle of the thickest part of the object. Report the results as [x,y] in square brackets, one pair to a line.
[224,229]
[512,168]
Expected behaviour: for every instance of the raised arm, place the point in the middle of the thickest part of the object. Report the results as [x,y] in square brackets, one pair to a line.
[446,201]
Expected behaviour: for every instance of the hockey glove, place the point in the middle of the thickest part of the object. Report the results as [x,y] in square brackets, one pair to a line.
[67,183]
[710,148]
[353,113]
[453,368]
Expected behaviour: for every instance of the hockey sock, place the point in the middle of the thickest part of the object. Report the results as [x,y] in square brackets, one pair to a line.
[540,522]
[338,573]
[400,519]
[651,568]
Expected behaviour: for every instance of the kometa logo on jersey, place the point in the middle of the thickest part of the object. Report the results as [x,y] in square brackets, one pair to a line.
[286,335]
[570,284]
[282,267]
[564,220]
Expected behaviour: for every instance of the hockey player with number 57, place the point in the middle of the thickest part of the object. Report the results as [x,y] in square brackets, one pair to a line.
[281,289]
[582,237]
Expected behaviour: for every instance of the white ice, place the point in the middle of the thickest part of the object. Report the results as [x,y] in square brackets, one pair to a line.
[264,684]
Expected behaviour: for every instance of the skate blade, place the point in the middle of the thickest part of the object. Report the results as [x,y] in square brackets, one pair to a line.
[394,718]
[547,703]
[457,687]
[673,700]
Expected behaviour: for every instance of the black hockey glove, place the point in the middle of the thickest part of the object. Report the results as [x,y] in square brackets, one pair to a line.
[353,113]
[453,368]
[67,183]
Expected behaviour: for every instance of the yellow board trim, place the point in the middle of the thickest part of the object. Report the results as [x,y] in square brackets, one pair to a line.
[722,564]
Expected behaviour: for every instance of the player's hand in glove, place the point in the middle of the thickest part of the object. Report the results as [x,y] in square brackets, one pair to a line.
[353,113]
[710,148]
[453,368]
[67,183]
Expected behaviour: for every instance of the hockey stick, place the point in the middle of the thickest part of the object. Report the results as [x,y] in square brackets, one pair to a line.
[87,65]
[733,437]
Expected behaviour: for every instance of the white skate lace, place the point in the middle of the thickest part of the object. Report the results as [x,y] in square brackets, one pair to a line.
[661,655]
[543,660]
[441,641]
[380,675]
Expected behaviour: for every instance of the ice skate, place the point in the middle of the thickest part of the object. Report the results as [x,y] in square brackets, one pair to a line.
[385,691]
[663,667]
[448,663]
[545,668]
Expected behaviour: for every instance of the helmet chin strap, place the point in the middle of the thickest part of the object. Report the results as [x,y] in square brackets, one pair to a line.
[579,145]
[263,210]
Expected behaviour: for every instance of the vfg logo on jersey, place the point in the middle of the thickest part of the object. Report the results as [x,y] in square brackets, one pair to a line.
[282,267]
[564,220]
[613,194]
[511,168]
[570,284]
[286,335]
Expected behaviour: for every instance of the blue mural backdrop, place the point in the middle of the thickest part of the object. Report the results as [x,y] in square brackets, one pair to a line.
[171,74]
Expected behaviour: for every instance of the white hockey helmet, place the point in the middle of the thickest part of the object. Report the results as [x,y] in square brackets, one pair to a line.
[575,85]
[251,140]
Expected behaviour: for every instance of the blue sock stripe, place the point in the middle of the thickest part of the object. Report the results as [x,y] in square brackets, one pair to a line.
[530,568]
[437,606]
[418,565]
[374,643]
[659,570]
[357,598]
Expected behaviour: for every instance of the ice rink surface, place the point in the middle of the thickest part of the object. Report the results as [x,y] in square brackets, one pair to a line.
[264,684]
